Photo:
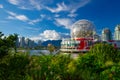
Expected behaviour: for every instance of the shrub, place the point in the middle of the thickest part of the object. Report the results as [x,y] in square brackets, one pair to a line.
[104,51]
[87,67]
[14,67]
[111,73]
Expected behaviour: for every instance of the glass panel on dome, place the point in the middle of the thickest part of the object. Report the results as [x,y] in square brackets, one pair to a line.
[82,28]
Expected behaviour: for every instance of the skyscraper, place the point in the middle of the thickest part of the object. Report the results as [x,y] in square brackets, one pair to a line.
[22,42]
[106,34]
[117,32]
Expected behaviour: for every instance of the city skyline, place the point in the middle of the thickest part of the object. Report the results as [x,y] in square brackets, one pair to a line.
[51,20]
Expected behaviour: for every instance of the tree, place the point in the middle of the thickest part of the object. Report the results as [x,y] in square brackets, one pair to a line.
[6,43]
[12,39]
[51,48]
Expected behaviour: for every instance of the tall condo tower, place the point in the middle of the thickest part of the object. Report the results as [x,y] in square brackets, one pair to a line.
[117,32]
[106,34]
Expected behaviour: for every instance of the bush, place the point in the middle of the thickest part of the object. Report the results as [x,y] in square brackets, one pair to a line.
[111,73]
[98,62]
[50,67]
[6,43]
[14,67]
[101,63]
[87,67]
[104,52]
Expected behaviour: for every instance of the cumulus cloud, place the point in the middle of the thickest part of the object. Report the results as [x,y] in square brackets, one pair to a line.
[66,22]
[1,6]
[47,35]
[22,17]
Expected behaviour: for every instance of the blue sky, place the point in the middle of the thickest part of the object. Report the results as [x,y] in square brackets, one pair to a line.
[52,19]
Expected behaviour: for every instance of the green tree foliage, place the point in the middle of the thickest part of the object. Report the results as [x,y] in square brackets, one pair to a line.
[49,67]
[104,52]
[51,48]
[12,41]
[100,63]
[6,43]
[14,67]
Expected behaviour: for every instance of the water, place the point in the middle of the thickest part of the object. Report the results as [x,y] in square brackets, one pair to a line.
[46,52]
[39,52]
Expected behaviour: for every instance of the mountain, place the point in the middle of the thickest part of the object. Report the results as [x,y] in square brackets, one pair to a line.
[53,42]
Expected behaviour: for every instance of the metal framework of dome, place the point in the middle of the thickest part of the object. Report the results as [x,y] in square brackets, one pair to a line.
[82,29]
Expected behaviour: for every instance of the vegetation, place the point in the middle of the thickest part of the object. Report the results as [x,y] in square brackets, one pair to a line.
[102,62]
[51,48]
[6,43]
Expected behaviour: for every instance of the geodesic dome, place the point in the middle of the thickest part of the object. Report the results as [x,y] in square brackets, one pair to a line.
[82,29]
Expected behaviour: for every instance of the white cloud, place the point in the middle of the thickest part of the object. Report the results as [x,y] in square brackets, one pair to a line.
[35,4]
[47,35]
[21,17]
[25,8]
[16,16]
[77,4]
[11,13]
[1,6]
[30,4]
[50,35]
[66,22]
[72,7]
[60,7]
[72,15]
[56,15]
[46,17]
[14,2]
[34,21]
[64,35]
[42,16]
[69,5]
[11,17]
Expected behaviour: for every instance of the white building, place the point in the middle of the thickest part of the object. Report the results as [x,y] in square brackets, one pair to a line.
[117,32]
[22,42]
[106,34]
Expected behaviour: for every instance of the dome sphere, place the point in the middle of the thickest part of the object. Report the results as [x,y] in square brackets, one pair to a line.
[82,29]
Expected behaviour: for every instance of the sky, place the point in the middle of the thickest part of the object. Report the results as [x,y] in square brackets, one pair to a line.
[52,19]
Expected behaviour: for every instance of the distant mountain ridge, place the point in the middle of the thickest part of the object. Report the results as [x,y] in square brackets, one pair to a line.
[53,42]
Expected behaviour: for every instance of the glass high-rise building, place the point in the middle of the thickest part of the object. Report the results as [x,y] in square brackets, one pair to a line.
[106,34]
[22,42]
[117,32]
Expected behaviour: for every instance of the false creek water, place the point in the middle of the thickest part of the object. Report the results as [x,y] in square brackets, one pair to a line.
[45,52]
